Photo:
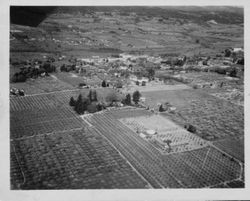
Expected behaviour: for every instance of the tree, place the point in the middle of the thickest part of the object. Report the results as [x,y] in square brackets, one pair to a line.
[72,102]
[48,67]
[19,77]
[161,108]
[233,73]
[112,97]
[128,99]
[63,68]
[99,107]
[79,106]
[151,72]
[21,92]
[204,63]
[227,53]
[190,128]
[104,83]
[136,96]
[92,95]
[240,61]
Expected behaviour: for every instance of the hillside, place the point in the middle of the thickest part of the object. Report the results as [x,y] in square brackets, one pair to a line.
[152,30]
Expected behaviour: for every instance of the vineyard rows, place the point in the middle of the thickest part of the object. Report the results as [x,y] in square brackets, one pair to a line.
[41,101]
[31,122]
[181,140]
[71,160]
[233,146]
[64,150]
[133,112]
[212,118]
[188,169]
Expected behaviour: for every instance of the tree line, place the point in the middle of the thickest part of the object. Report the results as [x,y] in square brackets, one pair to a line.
[91,104]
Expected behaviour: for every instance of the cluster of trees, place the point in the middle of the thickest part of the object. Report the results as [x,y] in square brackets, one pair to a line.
[67,68]
[91,104]
[127,100]
[142,84]
[88,103]
[232,71]
[190,128]
[105,84]
[17,92]
[33,72]
[161,109]
[175,61]
[136,97]
[238,58]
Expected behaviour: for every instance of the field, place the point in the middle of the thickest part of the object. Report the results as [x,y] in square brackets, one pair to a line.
[45,132]
[46,113]
[72,79]
[181,140]
[42,85]
[79,159]
[152,30]
[45,127]
[155,87]
[203,167]
[233,146]
[214,118]
[128,147]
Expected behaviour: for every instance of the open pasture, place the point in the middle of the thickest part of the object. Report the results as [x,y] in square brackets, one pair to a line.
[42,85]
[151,87]
[70,160]
[70,78]
[129,112]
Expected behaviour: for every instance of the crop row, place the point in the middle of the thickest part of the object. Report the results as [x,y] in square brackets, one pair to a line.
[233,146]
[140,154]
[72,160]
[174,170]
[203,167]
[41,101]
[130,113]
[181,140]
[31,122]
[212,117]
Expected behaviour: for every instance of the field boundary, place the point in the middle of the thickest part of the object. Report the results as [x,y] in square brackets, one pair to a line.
[126,159]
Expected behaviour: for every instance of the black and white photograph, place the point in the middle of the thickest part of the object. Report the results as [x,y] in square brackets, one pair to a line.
[124,101]
[126,97]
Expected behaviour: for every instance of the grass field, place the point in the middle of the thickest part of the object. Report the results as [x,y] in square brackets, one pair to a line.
[42,85]
[72,79]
